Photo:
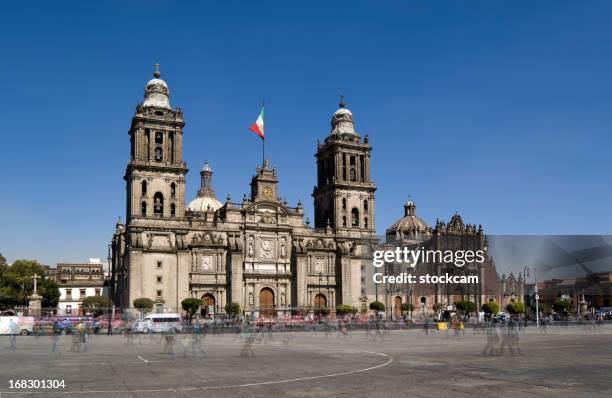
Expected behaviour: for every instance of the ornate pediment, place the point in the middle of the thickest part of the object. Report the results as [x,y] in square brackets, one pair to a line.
[320,243]
[268,206]
[206,238]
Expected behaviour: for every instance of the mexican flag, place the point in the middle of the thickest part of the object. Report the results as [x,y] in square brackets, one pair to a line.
[258,126]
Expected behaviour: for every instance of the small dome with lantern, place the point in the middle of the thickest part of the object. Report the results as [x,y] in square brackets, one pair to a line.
[342,120]
[156,92]
[206,200]
[409,227]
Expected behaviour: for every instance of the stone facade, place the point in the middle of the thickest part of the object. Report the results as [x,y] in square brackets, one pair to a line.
[426,299]
[258,252]
[77,281]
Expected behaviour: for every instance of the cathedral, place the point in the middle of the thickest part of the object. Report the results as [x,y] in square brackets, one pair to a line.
[258,252]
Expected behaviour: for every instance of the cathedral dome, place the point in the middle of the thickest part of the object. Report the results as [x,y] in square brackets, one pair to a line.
[206,203]
[206,199]
[410,226]
[157,93]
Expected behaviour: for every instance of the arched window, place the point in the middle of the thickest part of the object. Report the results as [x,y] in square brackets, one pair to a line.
[158,203]
[173,190]
[355,217]
[172,209]
[144,187]
[365,205]
[344,221]
[143,208]
[343,203]
[159,137]
[365,222]
[159,154]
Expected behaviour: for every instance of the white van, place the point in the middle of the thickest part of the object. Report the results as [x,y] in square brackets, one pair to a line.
[158,323]
[22,325]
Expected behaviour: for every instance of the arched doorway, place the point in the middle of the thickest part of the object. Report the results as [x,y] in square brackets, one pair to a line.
[208,303]
[320,301]
[266,302]
[397,308]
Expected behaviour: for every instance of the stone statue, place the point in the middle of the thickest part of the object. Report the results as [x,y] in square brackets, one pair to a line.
[158,205]
[251,249]
[283,250]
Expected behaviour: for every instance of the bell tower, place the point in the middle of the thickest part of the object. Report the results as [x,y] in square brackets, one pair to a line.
[344,195]
[155,174]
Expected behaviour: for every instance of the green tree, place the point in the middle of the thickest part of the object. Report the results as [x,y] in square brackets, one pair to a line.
[191,305]
[49,290]
[542,308]
[232,309]
[377,306]
[562,306]
[490,308]
[344,309]
[515,308]
[16,284]
[97,305]
[465,306]
[407,307]
[143,304]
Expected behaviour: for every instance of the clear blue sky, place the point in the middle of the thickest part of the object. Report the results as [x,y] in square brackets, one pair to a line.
[498,110]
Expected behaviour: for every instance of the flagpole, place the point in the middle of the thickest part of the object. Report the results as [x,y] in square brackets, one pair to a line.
[263,139]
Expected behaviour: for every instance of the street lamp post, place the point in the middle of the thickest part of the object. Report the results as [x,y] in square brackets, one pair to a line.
[319,300]
[525,275]
[109,330]
[537,297]
[410,302]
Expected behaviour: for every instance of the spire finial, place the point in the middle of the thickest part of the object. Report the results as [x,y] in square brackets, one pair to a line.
[156,72]
[342,103]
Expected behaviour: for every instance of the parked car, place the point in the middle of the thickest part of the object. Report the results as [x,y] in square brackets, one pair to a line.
[158,323]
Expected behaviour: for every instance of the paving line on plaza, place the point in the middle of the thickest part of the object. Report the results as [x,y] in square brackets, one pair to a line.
[389,361]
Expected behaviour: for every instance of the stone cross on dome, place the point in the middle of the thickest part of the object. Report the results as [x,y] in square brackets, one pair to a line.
[156,72]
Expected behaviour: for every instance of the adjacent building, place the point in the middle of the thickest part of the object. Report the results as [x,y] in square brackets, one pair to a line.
[77,281]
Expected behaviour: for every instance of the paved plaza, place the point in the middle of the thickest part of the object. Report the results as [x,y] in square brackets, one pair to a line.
[568,362]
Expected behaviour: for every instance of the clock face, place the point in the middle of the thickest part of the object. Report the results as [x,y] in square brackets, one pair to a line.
[267,192]
[206,263]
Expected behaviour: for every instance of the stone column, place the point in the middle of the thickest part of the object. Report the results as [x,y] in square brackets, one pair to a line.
[347,275]
[302,280]
[236,276]
[34,304]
